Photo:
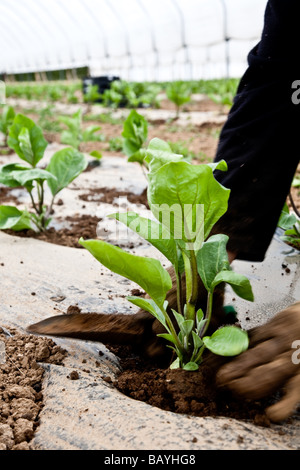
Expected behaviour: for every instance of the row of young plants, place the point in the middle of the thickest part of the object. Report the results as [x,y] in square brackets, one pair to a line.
[72,130]
[48,91]
[133,144]
[126,94]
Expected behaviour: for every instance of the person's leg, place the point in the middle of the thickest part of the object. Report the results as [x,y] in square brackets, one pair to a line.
[261,140]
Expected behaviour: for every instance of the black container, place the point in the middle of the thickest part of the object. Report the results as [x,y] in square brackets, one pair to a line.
[102,82]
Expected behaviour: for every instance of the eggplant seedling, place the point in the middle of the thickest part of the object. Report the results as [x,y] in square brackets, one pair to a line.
[74,135]
[179,93]
[186,202]
[27,140]
[135,133]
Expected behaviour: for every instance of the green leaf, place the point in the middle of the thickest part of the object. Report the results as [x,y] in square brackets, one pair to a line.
[167,337]
[199,315]
[138,156]
[187,199]
[11,217]
[65,165]
[212,258]
[6,174]
[227,341]
[135,131]
[186,327]
[191,366]
[239,283]
[178,317]
[150,230]
[146,272]
[7,118]
[70,138]
[29,144]
[159,145]
[159,153]
[89,134]
[295,242]
[25,144]
[286,220]
[175,364]
[96,154]
[178,92]
[32,174]
[150,306]
[221,165]
[72,122]
[197,341]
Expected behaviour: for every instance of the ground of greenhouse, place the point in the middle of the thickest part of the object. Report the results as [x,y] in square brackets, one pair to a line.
[21,398]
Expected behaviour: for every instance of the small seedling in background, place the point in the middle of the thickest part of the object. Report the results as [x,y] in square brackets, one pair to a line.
[135,133]
[179,93]
[91,96]
[27,140]
[75,135]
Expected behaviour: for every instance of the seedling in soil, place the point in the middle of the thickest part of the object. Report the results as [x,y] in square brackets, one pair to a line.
[179,93]
[186,202]
[135,133]
[75,134]
[91,95]
[27,140]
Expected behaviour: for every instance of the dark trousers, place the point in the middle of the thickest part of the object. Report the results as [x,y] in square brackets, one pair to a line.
[261,139]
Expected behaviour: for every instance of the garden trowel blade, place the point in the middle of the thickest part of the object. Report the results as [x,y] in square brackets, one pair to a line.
[107,328]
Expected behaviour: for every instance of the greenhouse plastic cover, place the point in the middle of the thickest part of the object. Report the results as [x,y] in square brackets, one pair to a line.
[134,39]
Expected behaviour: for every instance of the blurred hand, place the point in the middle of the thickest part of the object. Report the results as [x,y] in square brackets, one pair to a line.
[271,363]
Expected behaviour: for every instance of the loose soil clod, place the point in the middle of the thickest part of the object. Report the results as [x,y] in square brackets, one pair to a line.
[21,375]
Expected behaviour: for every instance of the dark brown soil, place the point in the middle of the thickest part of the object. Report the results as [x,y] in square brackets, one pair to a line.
[179,391]
[21,376]
[81,226]
[108,195]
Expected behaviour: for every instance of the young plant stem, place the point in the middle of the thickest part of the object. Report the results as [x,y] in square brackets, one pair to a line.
[33,203]
[144,172]
[49,210]
[179,292]
[172,329]
[190,264]
[199,355]
[208,313]
[296,230]
[35,219]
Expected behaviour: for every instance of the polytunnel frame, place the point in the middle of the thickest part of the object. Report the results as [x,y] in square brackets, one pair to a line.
[54,61]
